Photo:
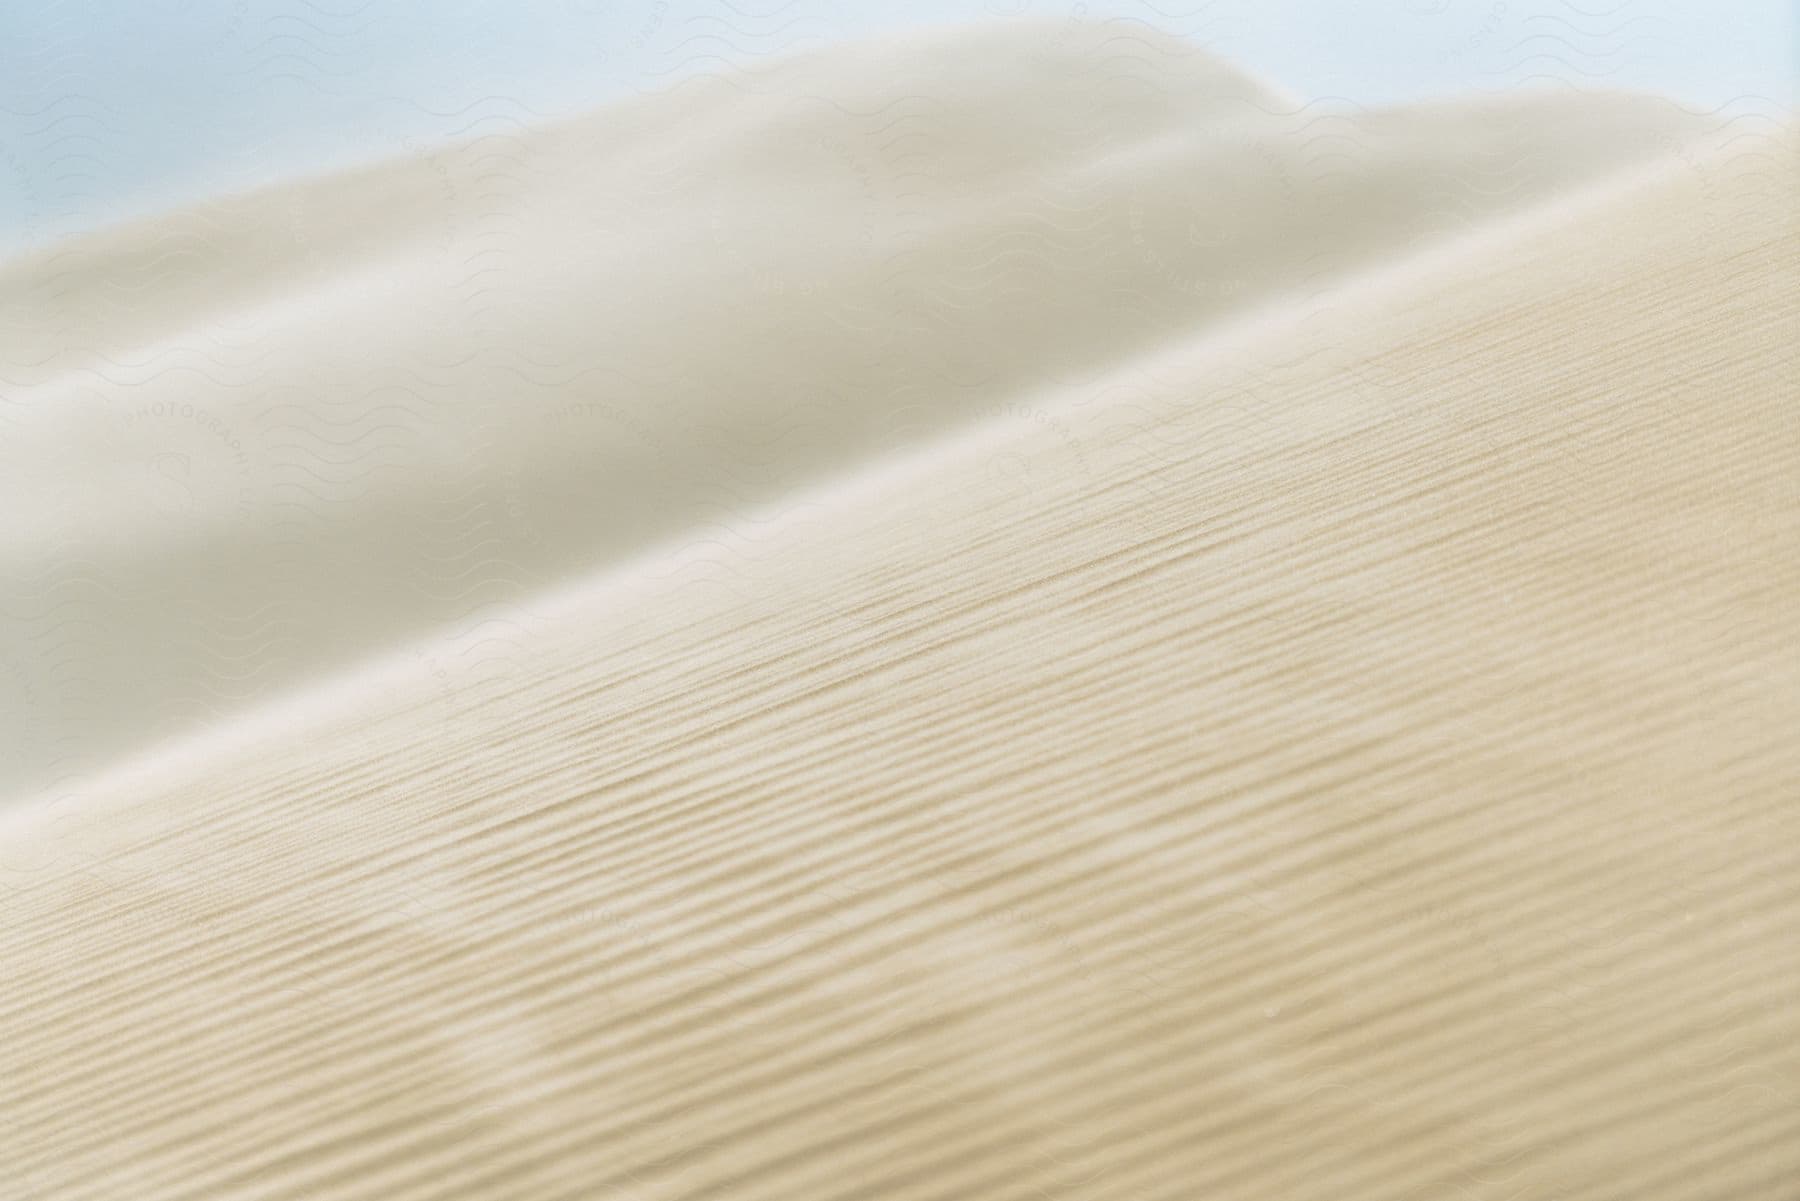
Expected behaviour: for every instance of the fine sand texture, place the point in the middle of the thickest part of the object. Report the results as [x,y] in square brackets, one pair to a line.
[1009,615]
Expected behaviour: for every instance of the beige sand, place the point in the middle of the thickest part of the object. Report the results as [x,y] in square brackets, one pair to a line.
[266,440]
[1330,740]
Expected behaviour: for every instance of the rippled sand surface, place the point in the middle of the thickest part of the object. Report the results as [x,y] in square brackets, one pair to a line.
[1010,613]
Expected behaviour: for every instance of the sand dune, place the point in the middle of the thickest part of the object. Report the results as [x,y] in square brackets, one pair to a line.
[1002,615]
[448,384]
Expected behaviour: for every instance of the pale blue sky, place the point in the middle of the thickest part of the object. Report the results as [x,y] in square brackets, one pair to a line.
[109,108]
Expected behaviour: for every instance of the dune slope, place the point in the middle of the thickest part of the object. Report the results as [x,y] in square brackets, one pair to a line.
[254,444]
[1344,755]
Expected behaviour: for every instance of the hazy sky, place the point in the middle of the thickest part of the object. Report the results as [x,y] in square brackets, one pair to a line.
[109,108]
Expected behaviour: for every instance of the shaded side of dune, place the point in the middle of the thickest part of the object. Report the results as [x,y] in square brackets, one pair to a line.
[254,444]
